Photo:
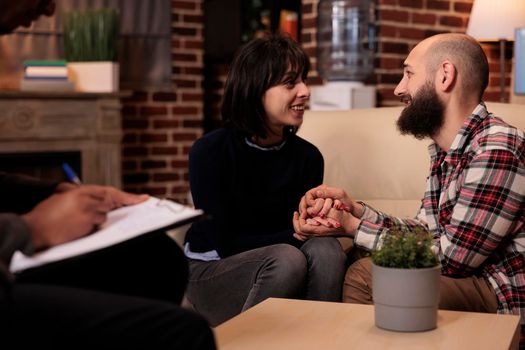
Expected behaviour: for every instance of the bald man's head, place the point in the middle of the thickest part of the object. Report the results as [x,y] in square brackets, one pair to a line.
[466,55]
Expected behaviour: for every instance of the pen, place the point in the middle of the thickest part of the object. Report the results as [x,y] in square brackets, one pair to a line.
[71,175]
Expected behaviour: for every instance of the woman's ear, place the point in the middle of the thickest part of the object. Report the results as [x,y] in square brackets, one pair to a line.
[447,76]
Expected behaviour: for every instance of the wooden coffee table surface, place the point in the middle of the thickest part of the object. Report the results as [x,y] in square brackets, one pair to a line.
[297,324]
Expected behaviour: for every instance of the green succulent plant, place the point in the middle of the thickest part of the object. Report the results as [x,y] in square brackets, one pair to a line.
[405,248]
[91,35]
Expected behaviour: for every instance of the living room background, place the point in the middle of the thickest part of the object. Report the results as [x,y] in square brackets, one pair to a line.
[161,123]
[157,124]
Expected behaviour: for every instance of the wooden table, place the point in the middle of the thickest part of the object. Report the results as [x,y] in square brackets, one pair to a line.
[297,324]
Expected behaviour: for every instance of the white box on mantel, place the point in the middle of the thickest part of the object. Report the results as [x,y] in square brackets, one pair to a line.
[100,76]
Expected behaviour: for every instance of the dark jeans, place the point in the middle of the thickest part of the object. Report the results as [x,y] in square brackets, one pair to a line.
[122,297]
[222,289]
[43,316]
[151,266]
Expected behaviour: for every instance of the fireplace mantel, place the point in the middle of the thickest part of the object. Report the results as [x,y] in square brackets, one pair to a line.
[47,122]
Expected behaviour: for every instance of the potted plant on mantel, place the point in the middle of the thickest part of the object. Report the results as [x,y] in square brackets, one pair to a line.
[90,48]
[405,277]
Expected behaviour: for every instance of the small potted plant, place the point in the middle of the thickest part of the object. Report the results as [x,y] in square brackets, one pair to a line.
[90,47]
[405,277]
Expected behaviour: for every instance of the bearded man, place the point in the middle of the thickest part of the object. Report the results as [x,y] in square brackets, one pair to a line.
[474,203]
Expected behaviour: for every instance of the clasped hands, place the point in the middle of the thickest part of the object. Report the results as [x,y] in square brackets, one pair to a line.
[326,211]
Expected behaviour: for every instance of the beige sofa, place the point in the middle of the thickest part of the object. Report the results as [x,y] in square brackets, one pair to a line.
[365,154]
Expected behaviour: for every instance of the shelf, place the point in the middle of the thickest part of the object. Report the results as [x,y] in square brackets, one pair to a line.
[17,94]
[227,23]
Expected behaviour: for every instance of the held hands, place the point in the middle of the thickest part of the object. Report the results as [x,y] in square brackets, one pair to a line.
[73,212]
[326,211]
[312,202]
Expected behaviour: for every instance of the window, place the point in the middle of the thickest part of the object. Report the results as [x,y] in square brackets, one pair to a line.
[144,44]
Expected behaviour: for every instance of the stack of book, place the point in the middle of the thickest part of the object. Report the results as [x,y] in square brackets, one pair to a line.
[44,75]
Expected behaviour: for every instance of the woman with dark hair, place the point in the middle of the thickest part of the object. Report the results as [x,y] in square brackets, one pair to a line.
[248,177]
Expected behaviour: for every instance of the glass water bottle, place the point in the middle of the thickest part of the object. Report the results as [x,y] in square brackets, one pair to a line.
[345,39]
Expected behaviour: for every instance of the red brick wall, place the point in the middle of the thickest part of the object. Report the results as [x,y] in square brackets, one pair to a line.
[160,126]
[308,37]
[401,24]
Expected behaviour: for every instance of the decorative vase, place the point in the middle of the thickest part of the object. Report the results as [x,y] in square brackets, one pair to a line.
[90,47]
[406,300]
[100,76]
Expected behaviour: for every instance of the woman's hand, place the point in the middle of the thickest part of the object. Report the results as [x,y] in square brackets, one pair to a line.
[319,200]
[336,223]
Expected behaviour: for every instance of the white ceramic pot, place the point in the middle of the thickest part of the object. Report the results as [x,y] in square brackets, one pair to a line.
[94,76]
[406,299]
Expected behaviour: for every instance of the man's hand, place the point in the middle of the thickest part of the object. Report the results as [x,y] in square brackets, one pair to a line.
[120,198]
[64,187]
[74,213]
[319,200]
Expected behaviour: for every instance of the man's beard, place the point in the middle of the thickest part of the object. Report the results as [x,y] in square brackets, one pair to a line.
[423,117]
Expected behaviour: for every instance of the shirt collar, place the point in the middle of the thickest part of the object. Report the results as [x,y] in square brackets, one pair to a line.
[462,138]
[272,148]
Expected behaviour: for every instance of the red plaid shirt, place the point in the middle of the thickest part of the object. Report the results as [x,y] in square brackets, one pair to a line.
[474,205]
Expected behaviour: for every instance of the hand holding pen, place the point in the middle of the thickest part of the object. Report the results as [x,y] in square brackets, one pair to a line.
[74,211]
[71,175]
[117,197]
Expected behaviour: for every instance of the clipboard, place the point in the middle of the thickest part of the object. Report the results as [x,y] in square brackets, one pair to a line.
[123,224]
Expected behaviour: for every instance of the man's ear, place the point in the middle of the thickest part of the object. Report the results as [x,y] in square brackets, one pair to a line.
[447,76]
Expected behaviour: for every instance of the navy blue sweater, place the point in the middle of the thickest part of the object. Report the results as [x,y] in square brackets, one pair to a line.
[249,194]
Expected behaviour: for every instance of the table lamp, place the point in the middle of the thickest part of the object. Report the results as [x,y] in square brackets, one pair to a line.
[496,21]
